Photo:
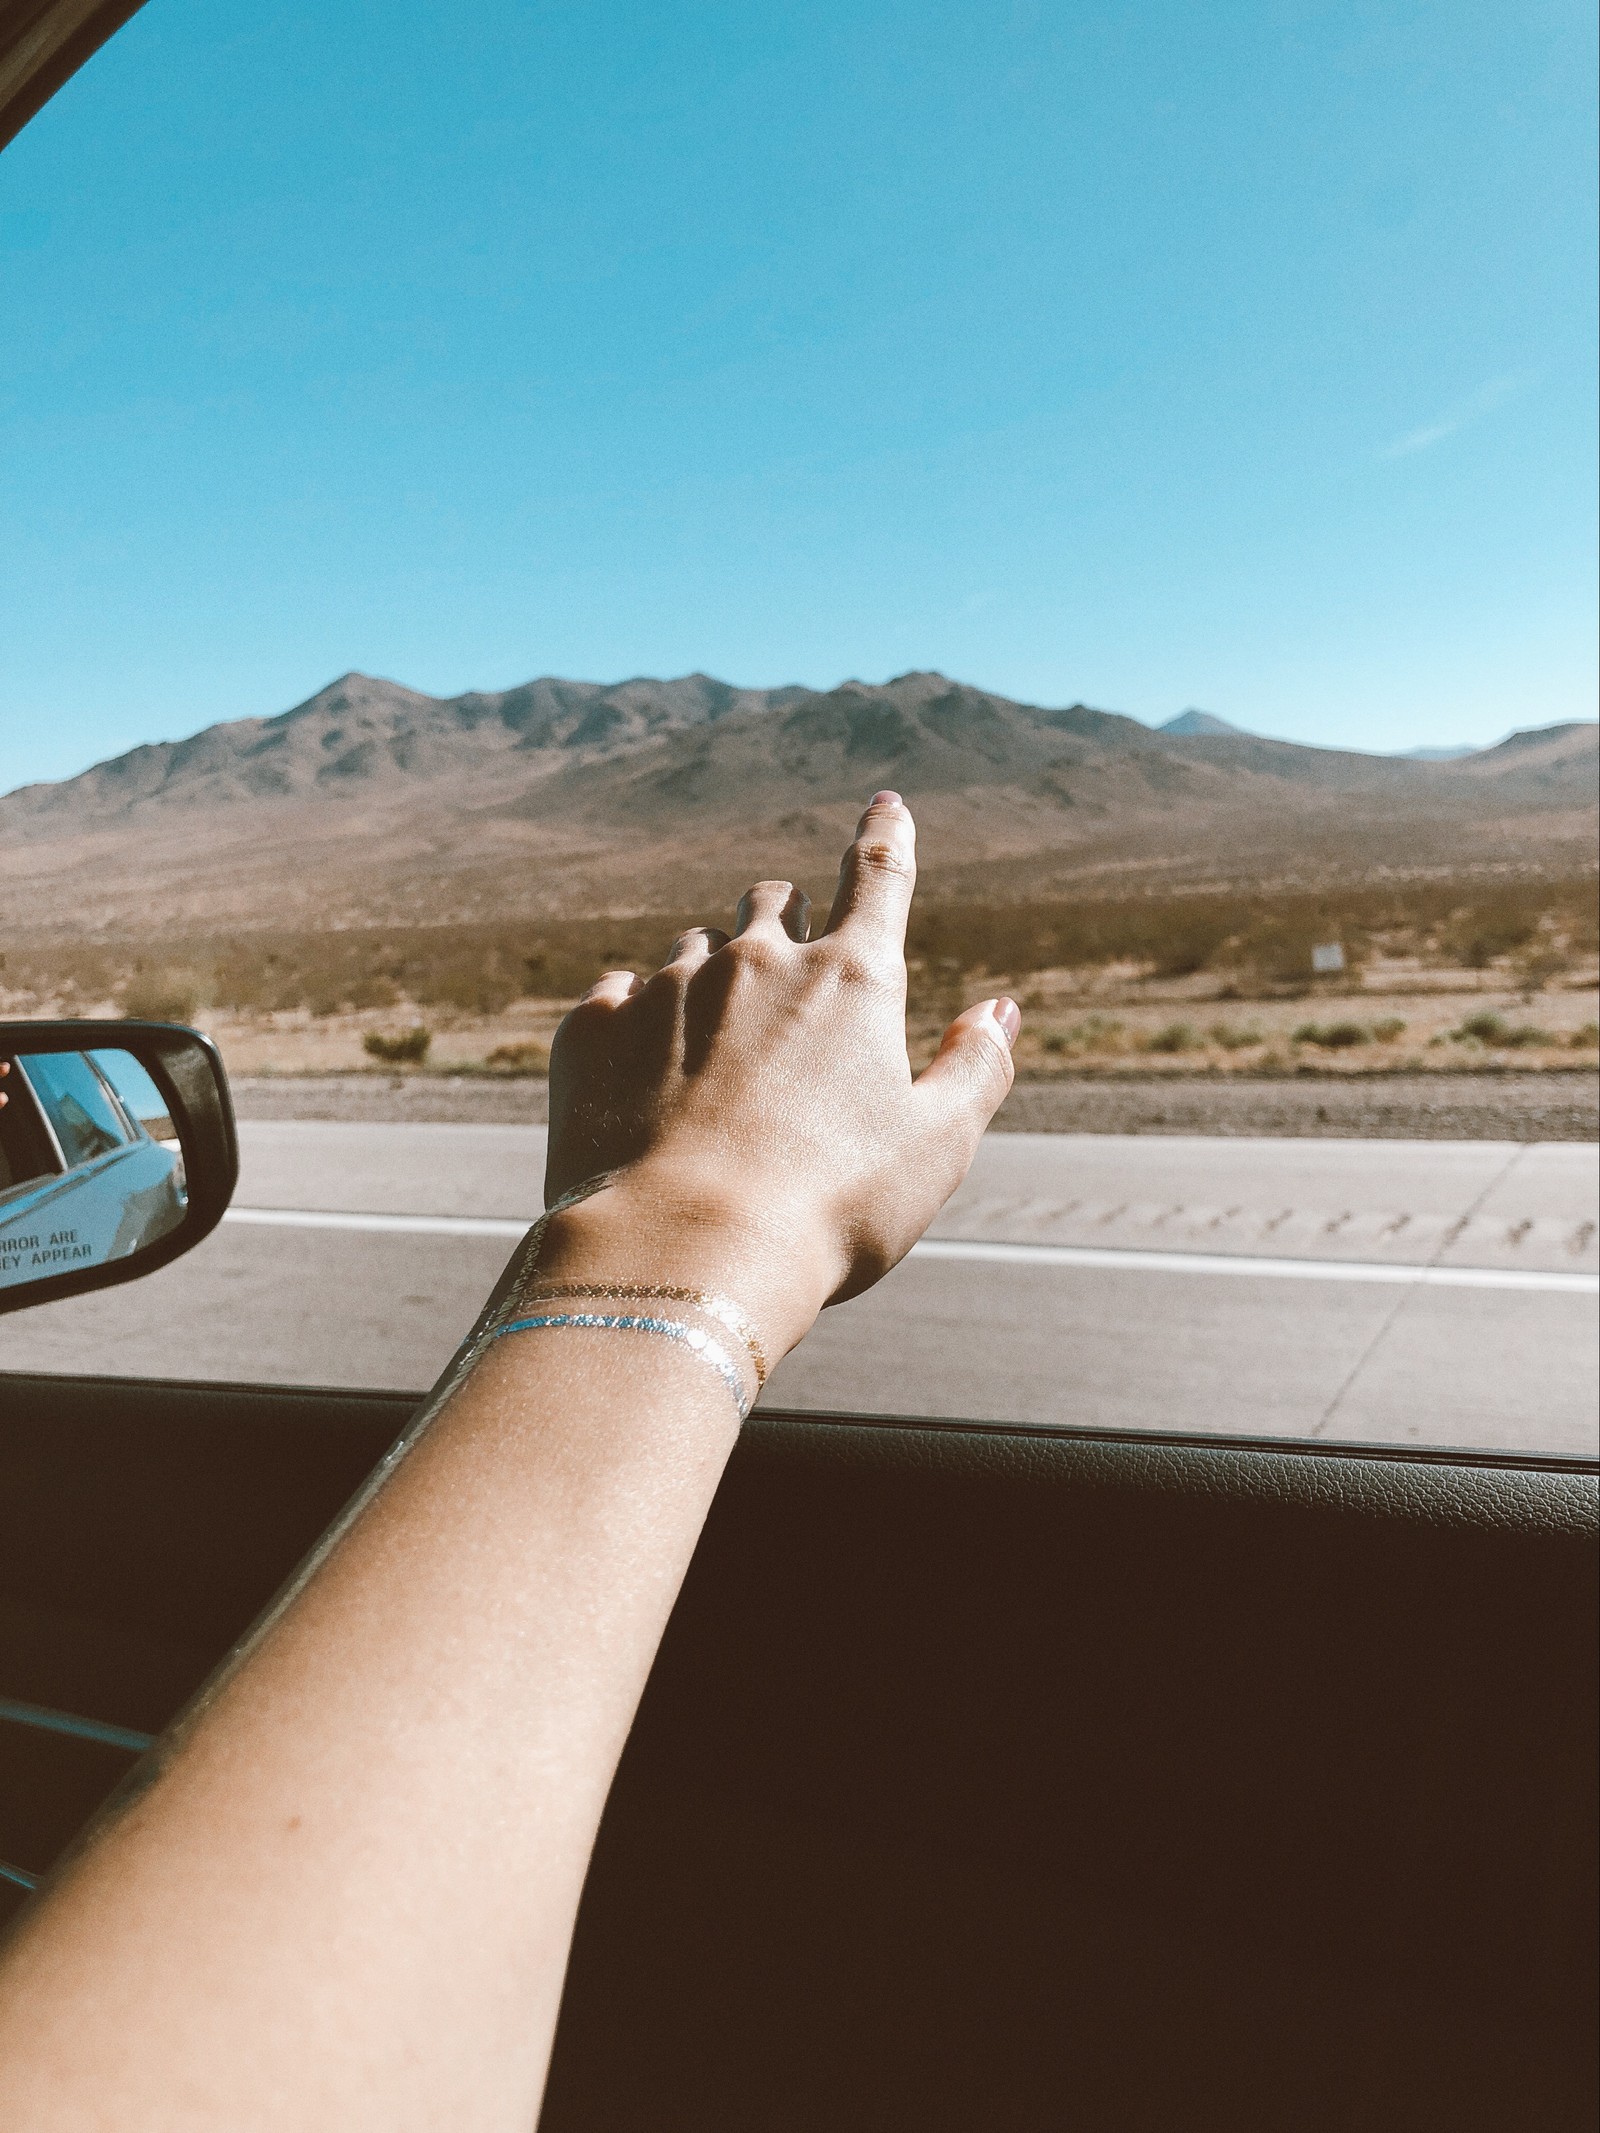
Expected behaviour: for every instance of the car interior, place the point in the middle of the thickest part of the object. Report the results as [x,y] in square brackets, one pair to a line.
[989,1777]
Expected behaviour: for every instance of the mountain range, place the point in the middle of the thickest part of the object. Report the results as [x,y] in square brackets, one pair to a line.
[373,802]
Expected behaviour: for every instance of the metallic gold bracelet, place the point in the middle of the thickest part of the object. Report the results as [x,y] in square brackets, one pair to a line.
[718,1307]
[693,1338]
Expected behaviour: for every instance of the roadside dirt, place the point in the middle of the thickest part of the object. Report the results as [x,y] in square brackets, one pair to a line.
[1545,1106]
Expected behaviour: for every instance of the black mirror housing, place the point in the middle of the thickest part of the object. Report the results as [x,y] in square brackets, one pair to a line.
[118,1153]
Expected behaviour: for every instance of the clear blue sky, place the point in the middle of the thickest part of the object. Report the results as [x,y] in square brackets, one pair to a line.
[1237,355]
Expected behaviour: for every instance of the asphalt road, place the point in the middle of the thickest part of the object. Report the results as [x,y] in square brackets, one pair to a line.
[1403,1292]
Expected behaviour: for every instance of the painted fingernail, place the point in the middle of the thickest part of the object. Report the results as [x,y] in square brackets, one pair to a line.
[1009,1016]
[886,799]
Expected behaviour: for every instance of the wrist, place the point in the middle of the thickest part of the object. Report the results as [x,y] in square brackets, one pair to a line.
[652,1226]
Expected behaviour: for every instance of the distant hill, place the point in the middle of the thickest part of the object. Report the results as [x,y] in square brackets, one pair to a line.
[373,802]
[1191,722]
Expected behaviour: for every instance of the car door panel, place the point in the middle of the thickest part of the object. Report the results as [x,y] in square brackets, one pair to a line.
[987,1777]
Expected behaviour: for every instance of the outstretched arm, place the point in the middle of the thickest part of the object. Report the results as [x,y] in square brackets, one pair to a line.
[344,1897]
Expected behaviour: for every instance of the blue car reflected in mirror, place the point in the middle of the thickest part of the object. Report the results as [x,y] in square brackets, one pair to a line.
[90,1165]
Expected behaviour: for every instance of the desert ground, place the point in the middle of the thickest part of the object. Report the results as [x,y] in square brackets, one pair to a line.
[1391,1019]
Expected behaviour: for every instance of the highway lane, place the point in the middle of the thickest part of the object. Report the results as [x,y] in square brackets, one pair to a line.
[1360,1291]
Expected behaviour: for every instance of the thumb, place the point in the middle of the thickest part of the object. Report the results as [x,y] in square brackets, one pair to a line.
[970,1075]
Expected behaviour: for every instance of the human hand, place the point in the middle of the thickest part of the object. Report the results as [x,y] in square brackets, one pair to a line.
[756,1096]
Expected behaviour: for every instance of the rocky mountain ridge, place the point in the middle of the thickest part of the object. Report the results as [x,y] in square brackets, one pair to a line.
[361,731]
[374,802]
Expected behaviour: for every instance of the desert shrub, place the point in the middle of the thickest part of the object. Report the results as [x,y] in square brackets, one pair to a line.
[161,996]
[374,990]
[406,1047]
[519,1059]
[935,986]
[475,969]
[1176,1037]
[1585,1037]
[1189,941]
[1489,926]
[1333,1036]
[1095,1033]
[1232,1038]
[1538,963]
[1278,944]
[1246,936]
[1495,1030]
[1267,933]
[256,979]
[474,987]
[75,970]
[1390,1029]
[1550,923]
[1487,1028]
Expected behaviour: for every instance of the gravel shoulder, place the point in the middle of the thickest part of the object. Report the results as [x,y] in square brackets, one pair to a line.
[1446,1107]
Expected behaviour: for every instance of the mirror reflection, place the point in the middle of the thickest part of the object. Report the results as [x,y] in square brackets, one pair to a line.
[90,1165]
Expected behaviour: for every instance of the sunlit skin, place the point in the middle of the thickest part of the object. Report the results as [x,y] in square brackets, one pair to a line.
[346,1896]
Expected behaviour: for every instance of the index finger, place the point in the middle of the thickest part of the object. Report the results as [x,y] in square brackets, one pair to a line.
[878,874]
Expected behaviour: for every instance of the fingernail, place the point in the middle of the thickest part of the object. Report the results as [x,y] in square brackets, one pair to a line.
[1009,1016]
[886,799]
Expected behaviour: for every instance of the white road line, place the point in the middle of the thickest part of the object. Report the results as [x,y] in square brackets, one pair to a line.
[976,1248]
[397,1225]
[1132,1262]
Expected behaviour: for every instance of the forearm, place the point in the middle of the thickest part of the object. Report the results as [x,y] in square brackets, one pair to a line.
[405,1776]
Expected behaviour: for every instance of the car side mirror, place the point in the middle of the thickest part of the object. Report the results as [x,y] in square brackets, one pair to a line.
[117,1153]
